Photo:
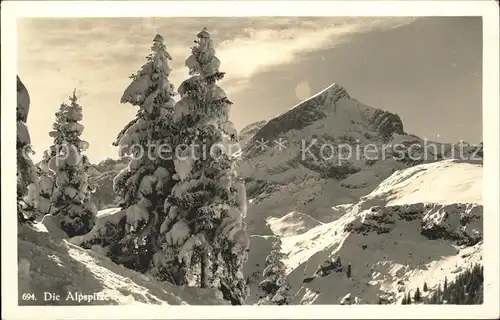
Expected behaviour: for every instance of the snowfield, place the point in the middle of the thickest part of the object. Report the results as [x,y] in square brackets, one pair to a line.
[399,236]
[444,182]
[293,223]
[50,264]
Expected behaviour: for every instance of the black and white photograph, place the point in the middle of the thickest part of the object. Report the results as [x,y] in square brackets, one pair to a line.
[293,155]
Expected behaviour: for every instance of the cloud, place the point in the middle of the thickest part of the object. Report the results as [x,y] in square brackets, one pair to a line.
[264,48]
[245,46]
[96,55]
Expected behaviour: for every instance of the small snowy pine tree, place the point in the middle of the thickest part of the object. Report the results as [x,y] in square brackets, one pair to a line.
[40,192]
[26,171]
[275,285]
[72,195]
[143,186]
[205,237]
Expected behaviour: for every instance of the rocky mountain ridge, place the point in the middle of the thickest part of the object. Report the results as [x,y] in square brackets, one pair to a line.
[329,150]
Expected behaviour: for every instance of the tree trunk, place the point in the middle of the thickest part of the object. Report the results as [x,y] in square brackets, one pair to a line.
[205,268]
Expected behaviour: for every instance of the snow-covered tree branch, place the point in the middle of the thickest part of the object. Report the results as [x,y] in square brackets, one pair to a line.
[71,198]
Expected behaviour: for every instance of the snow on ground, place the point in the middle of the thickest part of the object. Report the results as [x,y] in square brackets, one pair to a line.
[328,150]
[444,182]
[388,253]
[300,248]
[293,223]
[449,268]
[107,212]
[312,196]
[105,218]
[247,132]
[49,264]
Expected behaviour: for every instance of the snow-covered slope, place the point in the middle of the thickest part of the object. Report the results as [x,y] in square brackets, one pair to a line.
[452,182]
[399,236]
[293,223]
[328,150]
[50,264]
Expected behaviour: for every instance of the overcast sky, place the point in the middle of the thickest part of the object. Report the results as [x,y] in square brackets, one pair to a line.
[427,70]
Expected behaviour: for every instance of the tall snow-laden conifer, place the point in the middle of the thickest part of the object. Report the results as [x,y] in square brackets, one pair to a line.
[204,237]
[26,171]
[71,198]
[143,186]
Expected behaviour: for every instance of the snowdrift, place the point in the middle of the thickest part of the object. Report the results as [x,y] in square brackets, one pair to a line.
[49,264]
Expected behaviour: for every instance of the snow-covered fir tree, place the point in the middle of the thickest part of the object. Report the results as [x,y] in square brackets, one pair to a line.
[275,285]
[204,237]
[71,198]
[58,135]
[39,195]
[143,186]
[26,171]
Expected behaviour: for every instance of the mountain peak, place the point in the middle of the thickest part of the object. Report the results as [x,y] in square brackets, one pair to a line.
[334,91]
[304,113]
